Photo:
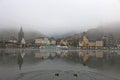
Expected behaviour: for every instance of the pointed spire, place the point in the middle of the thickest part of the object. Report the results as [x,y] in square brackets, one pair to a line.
[20,35]
[21,30]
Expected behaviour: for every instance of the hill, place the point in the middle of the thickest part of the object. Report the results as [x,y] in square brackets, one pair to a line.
[5,34]
[99,32]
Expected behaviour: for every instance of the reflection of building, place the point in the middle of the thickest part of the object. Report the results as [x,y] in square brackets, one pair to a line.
[91,57]
[99,55]
[39,55]
[63,54]
[91,53]
[84,56]
[44,55]
[20,60]
[90,43]
[20,57]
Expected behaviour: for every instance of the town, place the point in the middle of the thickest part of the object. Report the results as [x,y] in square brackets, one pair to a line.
[83,42]
[59,39]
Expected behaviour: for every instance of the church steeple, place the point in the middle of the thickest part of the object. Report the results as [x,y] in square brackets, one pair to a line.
[20,35]
[21,30]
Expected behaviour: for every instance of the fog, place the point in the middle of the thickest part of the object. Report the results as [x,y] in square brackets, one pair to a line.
[52,17]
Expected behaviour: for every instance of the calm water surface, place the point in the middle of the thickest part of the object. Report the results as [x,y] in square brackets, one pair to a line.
[26,64]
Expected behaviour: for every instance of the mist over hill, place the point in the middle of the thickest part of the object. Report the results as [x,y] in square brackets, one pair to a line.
[105,30]
[100,31]
[5,34]
[93,33]
[64,35]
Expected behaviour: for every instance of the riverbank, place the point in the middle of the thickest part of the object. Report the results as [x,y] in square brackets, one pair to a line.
[69,49]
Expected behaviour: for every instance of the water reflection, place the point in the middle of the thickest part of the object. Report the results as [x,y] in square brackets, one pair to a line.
[93,59]
[20,57]
[44,55]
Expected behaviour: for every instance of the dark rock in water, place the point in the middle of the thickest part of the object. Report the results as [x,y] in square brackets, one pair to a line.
[56,74]
[75,75]
[84,64]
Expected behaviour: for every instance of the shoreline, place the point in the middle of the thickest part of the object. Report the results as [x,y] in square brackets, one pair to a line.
[75,49]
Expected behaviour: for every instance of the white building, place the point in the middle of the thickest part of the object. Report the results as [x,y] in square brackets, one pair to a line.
[46,41]
[53,42]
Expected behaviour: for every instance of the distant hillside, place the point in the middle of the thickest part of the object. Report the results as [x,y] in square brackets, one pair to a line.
[105,30]
[65,35]
[99,32]
[6,33]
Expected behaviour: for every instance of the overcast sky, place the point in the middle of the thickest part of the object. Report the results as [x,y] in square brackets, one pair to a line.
[58,16]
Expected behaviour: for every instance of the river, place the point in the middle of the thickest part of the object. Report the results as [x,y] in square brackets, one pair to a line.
[27,64]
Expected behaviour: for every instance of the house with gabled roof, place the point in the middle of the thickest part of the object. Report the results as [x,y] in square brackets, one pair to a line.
[88,42]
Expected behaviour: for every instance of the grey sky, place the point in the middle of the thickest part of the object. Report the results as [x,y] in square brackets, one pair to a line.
[58,16]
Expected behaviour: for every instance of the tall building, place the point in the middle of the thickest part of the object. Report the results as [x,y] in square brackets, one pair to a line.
[21,36]
[108,40]
[86,41]
[104,38]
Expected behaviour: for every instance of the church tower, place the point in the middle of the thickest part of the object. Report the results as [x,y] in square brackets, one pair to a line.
[20,36]
[85,39]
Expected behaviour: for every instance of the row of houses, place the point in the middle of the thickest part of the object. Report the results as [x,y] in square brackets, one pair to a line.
[83,41]
[44,41]
[9,44]
[13,42]
[51,41]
